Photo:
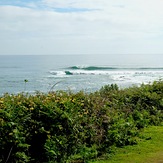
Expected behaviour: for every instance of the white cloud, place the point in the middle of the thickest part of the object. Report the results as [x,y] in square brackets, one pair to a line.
[104,26]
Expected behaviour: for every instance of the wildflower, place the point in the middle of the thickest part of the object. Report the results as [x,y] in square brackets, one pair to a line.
[31,108]
[1,101]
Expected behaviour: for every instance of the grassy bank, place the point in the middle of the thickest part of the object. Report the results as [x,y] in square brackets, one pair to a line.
[149,149]
[76,127]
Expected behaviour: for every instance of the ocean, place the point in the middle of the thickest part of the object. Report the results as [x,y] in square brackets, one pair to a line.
[31,73]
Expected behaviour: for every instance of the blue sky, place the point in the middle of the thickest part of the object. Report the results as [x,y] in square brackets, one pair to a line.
[81,27]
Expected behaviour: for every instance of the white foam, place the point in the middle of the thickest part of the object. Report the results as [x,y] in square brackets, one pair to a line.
[58,73]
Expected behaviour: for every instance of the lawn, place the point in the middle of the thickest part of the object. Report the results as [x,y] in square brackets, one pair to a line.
[148,150]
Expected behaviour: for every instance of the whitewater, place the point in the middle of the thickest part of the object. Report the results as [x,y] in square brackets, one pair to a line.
[75,73]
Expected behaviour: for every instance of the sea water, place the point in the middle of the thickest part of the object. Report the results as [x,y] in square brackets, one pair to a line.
[20,73]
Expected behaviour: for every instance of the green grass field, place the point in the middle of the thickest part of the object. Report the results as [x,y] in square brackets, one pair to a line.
[148,150]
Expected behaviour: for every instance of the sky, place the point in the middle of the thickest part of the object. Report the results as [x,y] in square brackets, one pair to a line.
[42,27]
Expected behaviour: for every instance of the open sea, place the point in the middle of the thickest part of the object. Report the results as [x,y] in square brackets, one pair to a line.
[76,72]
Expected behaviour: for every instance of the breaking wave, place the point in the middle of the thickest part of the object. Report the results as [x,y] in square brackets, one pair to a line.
[112,72]
[78,72]
[104,72]
[92,68]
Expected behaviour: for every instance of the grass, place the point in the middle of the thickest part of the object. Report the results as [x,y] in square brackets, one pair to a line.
[148,150]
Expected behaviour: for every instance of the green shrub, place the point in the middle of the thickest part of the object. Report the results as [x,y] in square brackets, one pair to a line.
[64,126]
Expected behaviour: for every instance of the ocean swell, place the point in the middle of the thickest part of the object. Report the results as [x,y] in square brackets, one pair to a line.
[93,68]
[89,68]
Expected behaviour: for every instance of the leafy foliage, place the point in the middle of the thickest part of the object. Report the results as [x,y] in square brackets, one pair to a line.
[65,126]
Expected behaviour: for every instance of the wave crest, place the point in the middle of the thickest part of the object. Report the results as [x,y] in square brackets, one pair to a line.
[93,68]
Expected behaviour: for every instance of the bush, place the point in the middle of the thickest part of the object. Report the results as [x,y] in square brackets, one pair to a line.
[65,126]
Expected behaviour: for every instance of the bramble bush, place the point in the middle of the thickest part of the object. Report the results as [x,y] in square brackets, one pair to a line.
[75,127]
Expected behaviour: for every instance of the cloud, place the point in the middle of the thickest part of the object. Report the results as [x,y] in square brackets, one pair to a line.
[80,26]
